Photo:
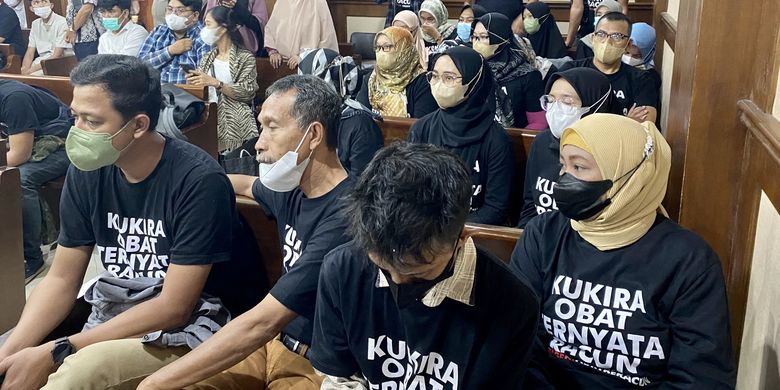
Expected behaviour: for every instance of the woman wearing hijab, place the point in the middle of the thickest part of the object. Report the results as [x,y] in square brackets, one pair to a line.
[434,24]
[569,96]
[542,31]
[409,21]
[464,124]
[519,84]
[397,86]
[585,44]
[629,298]
[641,50]
[467,15]
[251,15]
[359,135]
[290,30]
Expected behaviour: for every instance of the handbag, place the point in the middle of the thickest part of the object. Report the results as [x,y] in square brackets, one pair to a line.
[242,160]
[179,110]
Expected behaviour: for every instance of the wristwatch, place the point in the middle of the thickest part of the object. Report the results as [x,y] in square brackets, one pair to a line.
[62,349]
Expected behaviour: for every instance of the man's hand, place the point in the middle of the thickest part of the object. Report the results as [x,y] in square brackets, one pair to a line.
[293,62]
[276,59]
[70,37]
[431,31]
[181,46]
[638,114]
[200,79]
[28,368]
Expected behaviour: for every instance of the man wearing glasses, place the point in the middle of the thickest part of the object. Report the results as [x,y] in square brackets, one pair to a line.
[176,45]
[634,89]
[122,35]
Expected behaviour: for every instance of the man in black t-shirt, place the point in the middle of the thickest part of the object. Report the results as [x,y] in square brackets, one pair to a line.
[634,90]
[581,17]
[301,185]
[396,6]
[411,302]
[155,210]
[10,30]
[36,124]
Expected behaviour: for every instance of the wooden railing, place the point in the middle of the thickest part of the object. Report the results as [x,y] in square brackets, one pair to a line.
[11,252]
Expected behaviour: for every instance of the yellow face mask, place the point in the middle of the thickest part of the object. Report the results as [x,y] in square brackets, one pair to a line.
[606,53]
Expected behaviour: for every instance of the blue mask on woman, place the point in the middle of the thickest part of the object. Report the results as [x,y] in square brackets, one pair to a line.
[464,31]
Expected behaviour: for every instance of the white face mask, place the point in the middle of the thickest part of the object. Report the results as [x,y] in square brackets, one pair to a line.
[285,174]
[562,116]
[42,12]
[210,36]
[628,60]
[176,22]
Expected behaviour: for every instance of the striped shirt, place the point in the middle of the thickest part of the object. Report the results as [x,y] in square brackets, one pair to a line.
[155,52]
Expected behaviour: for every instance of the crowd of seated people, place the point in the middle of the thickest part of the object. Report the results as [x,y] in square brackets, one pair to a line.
[381,285]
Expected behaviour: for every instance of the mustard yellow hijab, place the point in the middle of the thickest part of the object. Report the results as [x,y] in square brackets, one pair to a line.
[620,144]
[387,84]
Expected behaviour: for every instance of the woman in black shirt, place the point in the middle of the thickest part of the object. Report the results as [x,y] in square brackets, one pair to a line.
[542,31]
[629,298]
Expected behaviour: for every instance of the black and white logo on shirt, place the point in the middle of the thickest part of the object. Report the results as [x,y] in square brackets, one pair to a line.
[137,243]
[545,201]
[407,369]
[292,247]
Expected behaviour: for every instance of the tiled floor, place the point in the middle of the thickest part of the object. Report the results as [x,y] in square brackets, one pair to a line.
[95,267]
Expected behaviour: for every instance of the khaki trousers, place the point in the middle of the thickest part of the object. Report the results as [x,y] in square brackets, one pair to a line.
[271,367]
[114,365]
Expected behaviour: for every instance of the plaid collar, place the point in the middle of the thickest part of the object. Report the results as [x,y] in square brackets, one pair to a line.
[459,286]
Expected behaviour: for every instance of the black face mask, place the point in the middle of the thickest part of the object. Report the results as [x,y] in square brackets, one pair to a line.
[580,200]
[407,293]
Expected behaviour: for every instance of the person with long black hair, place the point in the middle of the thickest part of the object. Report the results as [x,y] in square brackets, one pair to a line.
[230,72]
[569,96]
[519,84]
[461,83]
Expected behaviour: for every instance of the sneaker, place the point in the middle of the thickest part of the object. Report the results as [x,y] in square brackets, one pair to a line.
[32,269]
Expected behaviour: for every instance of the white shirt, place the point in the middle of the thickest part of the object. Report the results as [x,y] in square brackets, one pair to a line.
[127,40]
[221,72]
[45,37]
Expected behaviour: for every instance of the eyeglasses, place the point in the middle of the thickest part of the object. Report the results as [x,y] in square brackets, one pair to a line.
[547,100]
[179,11]
[448,79]
[614,37]
[384,48]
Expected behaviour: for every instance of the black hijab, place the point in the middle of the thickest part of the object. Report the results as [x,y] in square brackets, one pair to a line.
[477,9]
[508,63]
[591,86]
[468,122]
[547,42]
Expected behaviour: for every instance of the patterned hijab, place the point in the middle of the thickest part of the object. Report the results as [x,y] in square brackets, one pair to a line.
[619,145]
[387,85]
[439,12]
[411,21]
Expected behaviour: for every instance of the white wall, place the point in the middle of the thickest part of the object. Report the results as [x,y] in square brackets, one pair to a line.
[666,83]
[759,366]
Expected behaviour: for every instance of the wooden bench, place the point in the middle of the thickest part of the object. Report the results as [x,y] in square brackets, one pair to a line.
[12,294]
[398,129]
[498,240]
[267,75]
[59,86]
[13,61]
[59,66]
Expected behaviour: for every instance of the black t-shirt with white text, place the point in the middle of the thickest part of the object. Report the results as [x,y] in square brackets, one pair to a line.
[308,229]
[650,314]
[541,173]
[588,16]
[183,213]
[27,108]
[629,84]
[359,328]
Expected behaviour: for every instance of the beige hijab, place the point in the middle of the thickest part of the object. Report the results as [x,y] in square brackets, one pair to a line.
[620,144]
[411,21]
[295,25]
[387,87]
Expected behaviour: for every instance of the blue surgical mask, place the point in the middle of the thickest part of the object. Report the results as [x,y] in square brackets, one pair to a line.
[596,21]
[464,31]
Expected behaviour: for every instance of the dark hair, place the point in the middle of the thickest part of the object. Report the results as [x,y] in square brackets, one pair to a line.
[315,101]
[224,17]
[411,200]
[616,17]
[132,84]
[109,4]
[195,5]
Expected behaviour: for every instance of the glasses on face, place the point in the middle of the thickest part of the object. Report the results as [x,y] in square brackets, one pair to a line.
[384,48]
[179,11]
[547,100]
[615,37]
[446,78]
